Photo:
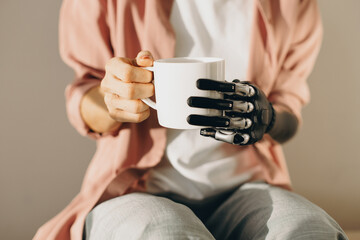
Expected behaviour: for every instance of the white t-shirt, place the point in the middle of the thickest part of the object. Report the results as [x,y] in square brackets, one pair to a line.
[194,166]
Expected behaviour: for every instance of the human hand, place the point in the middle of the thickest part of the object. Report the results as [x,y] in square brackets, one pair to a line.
[246,113]
[125,84]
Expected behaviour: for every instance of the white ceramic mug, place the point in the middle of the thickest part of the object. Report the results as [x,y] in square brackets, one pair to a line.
[175,81]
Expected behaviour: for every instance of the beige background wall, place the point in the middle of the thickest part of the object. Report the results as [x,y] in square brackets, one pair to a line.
[324,158]
[42,159]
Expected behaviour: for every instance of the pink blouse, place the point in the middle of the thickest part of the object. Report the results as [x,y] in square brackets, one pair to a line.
[286,37]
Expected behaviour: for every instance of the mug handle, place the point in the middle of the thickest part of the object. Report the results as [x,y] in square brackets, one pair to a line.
[148,101]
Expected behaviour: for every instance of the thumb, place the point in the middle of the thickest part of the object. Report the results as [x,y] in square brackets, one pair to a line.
[144,59]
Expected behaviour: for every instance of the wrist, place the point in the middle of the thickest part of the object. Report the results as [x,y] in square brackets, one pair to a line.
[285,126]
[95,114]
[273,119]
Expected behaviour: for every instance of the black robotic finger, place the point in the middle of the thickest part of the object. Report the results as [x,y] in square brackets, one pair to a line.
[211,121]
[214,85]
[236,114]
[238,123]
[226,136]
[203,102]
[220,104]
[243,89]
[234,97]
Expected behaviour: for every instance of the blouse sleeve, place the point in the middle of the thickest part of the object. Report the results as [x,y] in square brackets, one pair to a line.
[291,90]
[84,39]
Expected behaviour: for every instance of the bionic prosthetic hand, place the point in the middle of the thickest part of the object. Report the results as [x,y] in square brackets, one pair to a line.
[246,113]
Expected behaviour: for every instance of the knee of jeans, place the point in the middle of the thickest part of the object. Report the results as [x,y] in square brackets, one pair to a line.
[140,214]
[300,217]
[139,206]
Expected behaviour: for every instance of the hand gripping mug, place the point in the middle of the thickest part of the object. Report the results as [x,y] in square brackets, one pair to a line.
[175,81]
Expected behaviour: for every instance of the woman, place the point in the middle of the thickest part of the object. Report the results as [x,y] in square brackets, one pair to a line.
[143,182]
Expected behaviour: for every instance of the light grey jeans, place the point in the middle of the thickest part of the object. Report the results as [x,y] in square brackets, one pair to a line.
[253,211]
